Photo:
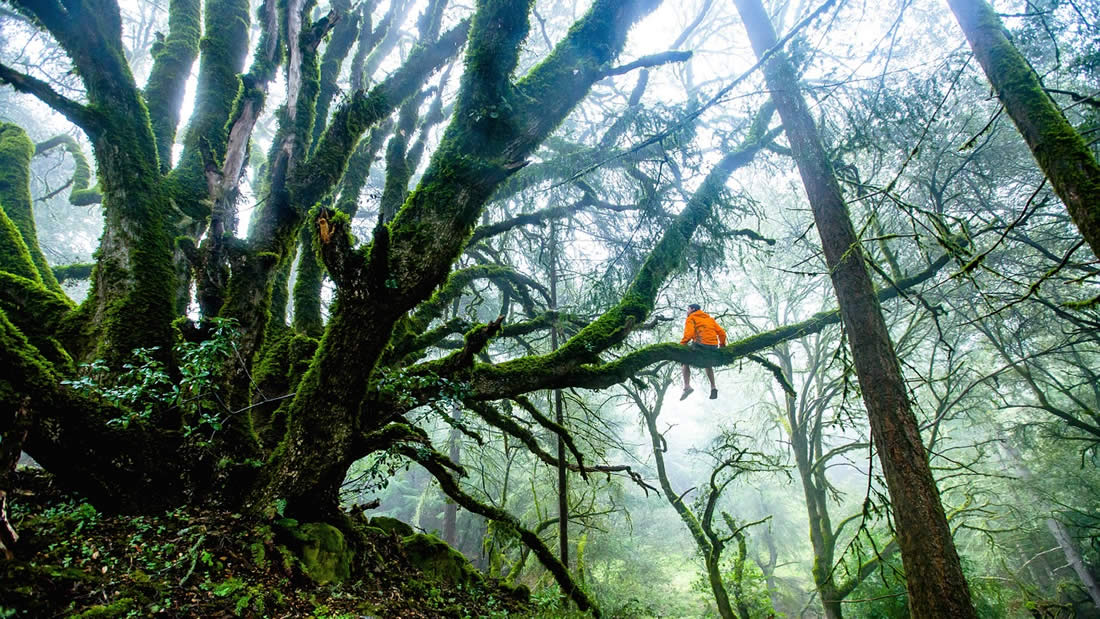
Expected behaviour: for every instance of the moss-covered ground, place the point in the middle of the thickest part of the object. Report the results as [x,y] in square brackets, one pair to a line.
[74,561]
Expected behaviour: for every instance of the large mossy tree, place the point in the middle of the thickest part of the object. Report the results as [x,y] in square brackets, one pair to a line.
[288,408]
[183,378]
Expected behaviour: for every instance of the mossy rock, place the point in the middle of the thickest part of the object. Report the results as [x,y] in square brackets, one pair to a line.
[119,608]
[519,593]
[391,525]
[438,561]
[30,587]
[321,551]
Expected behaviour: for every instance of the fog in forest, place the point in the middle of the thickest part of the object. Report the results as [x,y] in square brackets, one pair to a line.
[283,273]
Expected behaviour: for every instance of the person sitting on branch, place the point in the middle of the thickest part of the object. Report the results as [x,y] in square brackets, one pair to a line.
[701,331]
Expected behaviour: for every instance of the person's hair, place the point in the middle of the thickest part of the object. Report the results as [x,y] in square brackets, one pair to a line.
[694,307]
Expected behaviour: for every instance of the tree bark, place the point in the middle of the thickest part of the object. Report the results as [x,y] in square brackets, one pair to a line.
[1058,148]
[934,577]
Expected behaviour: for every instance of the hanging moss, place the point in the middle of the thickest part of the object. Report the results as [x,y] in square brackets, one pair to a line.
[16,151]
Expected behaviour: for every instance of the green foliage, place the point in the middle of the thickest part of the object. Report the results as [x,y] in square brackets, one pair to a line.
[146,389]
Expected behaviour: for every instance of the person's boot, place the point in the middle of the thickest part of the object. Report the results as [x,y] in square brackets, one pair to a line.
[713,394]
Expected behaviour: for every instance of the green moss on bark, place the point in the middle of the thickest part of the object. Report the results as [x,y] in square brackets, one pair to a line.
[16,151]
[224,47]
[307,285]
[172,59]
[1059,149]
[14,256]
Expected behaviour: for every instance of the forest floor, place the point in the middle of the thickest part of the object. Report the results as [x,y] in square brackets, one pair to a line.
[75,561]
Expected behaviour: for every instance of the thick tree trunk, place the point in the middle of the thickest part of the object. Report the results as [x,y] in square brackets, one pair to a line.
[934,577]
[1060,150]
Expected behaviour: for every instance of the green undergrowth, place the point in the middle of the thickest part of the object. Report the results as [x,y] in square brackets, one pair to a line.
[74,561]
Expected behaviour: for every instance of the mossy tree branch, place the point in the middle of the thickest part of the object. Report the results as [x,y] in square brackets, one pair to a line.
[69,435]
[224,48]
[320,174]
[613,326]
[344,35]
[275,227]
[80,194]
[502,422]
[16,151]
[212,270]
[173,56]
[490,382]
[78,114]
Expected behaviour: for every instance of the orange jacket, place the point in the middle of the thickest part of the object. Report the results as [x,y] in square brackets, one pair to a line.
[700,327]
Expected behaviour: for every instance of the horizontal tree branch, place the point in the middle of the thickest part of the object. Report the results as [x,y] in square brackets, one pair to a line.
[507,379]
[652,60]
[75,112]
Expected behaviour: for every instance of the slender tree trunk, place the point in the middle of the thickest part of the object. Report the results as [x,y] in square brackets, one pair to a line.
[817,511]
[1069,548]
[714,577]
[711,555]
[1058,530]
[1060,150]
[934,577]
[450,508]
[559,411]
